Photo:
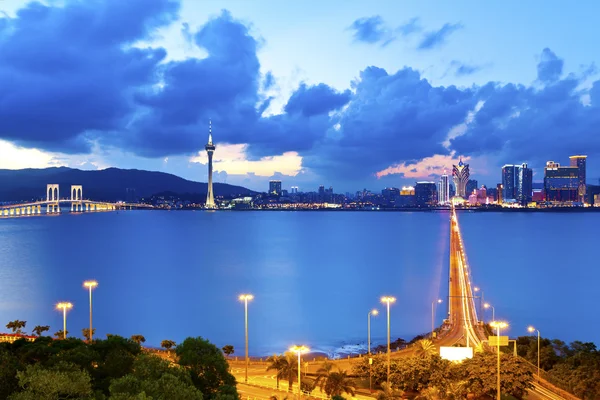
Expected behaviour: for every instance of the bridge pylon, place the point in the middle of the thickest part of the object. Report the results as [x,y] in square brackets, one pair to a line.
[52,198]
[76,198]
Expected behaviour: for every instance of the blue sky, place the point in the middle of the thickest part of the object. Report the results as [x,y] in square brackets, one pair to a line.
[349,94]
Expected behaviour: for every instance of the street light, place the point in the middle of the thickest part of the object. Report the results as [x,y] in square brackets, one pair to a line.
[439,301]
[90,285]
[488,305]
[388,300]
[532,329]
[372,312]
[246,298]
[498,325]
[299,350]
[64,306]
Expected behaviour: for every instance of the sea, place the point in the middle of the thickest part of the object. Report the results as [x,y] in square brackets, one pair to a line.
[314,275]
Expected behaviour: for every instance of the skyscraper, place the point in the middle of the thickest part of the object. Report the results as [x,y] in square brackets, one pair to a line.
[508,183]
[580,162]
[425,194]
[444,190]
[561,184]
[210,149]
[460,174]
[523,184]
[275,187]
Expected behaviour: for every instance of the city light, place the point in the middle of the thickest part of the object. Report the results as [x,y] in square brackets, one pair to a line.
[498,325]
[64,306]
[246,298]
[532,329]
[488,305]
[90,285]
[299,350]
[388,300]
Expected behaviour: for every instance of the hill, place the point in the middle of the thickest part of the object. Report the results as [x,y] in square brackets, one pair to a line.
[109,184]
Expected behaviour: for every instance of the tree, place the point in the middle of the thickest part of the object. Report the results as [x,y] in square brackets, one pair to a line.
[289,369]
[209,369]
[425,348]
[139,339]
[63,381]
[276,363]
[228,350]
[337,383]
[167,344]
[39,329]
[60,334]
[389,393]
[86,333]
[16,326]
[8,373]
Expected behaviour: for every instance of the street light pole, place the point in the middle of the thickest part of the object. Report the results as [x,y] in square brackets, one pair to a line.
[388,300]
[488,305]
[245,298]
[532,329]
[498,325]
[433,316]
[64,306]
[90,285]
[372,312]
[299,350]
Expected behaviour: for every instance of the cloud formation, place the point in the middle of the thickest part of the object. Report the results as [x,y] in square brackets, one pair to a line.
[437,38]
[369,29]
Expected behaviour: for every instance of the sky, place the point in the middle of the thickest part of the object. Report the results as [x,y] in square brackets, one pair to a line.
[348,94]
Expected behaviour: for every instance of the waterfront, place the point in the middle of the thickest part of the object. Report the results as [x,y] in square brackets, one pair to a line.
[169,275]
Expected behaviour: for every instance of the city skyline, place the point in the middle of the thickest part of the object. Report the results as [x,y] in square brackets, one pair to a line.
[295,113]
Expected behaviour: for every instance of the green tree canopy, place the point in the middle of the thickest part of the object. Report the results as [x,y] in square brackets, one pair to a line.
[16,326]
[39,329]
[139,339]
[64,381]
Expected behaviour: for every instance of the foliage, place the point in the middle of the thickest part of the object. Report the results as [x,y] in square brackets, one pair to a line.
[8,373]
[286,366]
[139,339]
[396,344]
[167,344]
[209,369]
[389,393]
[16,326]
[60,334]
[61,381]
[425,348]
[228,350]
[276,363]
[39,329]
[86,333]
[337,383]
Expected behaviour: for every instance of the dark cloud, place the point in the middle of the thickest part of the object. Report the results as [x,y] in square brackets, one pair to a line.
[315,100]
[437,38]
[67,72]
[369,29]
[550,66]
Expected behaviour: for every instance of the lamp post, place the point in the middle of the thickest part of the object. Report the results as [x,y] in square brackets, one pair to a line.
[481,301]
[388,300]
[532,329]
[439,301]
[299,350]
[372,312]
[498,325]
[64,306]
[90,285]
[246,298]
[488,305]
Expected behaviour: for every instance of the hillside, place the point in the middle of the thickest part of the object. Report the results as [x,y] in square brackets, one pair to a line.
[108,184]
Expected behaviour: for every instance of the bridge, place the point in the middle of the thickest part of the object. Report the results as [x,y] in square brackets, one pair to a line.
[53,204]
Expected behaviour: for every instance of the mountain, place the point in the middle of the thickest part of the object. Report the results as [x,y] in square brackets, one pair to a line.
[109,184]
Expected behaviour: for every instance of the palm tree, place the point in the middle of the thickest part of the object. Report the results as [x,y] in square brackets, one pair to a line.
[139,339]
[425,348]
[334,383]
[323,373]
[389,393]
[60,335]
[16,326]
[288,368]
[277,362]
[39,329]
[86,333]
[228,350]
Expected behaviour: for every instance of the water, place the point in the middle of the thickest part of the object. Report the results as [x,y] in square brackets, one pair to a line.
[314,275]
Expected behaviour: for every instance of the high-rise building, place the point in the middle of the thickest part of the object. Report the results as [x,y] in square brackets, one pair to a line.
[294,189]
[425,194]
[499,193]
[580,162]
[471,186]
[444,189]
[561,184]
[523,184]
[275,187]
[460,175]
[210,149]
[390,194]
[406,198]
[508,183]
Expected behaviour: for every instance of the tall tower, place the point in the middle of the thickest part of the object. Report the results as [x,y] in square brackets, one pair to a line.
[460,174]
[210,148]
[444,191]
[580,162]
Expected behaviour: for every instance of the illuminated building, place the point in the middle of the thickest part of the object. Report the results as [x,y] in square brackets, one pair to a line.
[390,194]
[471,186]
[11,337]
[561,184]
[460,175]
[508,183]
[580,163]
[294,189]
[425,194]
[210,149]
[444,189]
[406,198]
[499,194]
[275,187]
[523,184]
